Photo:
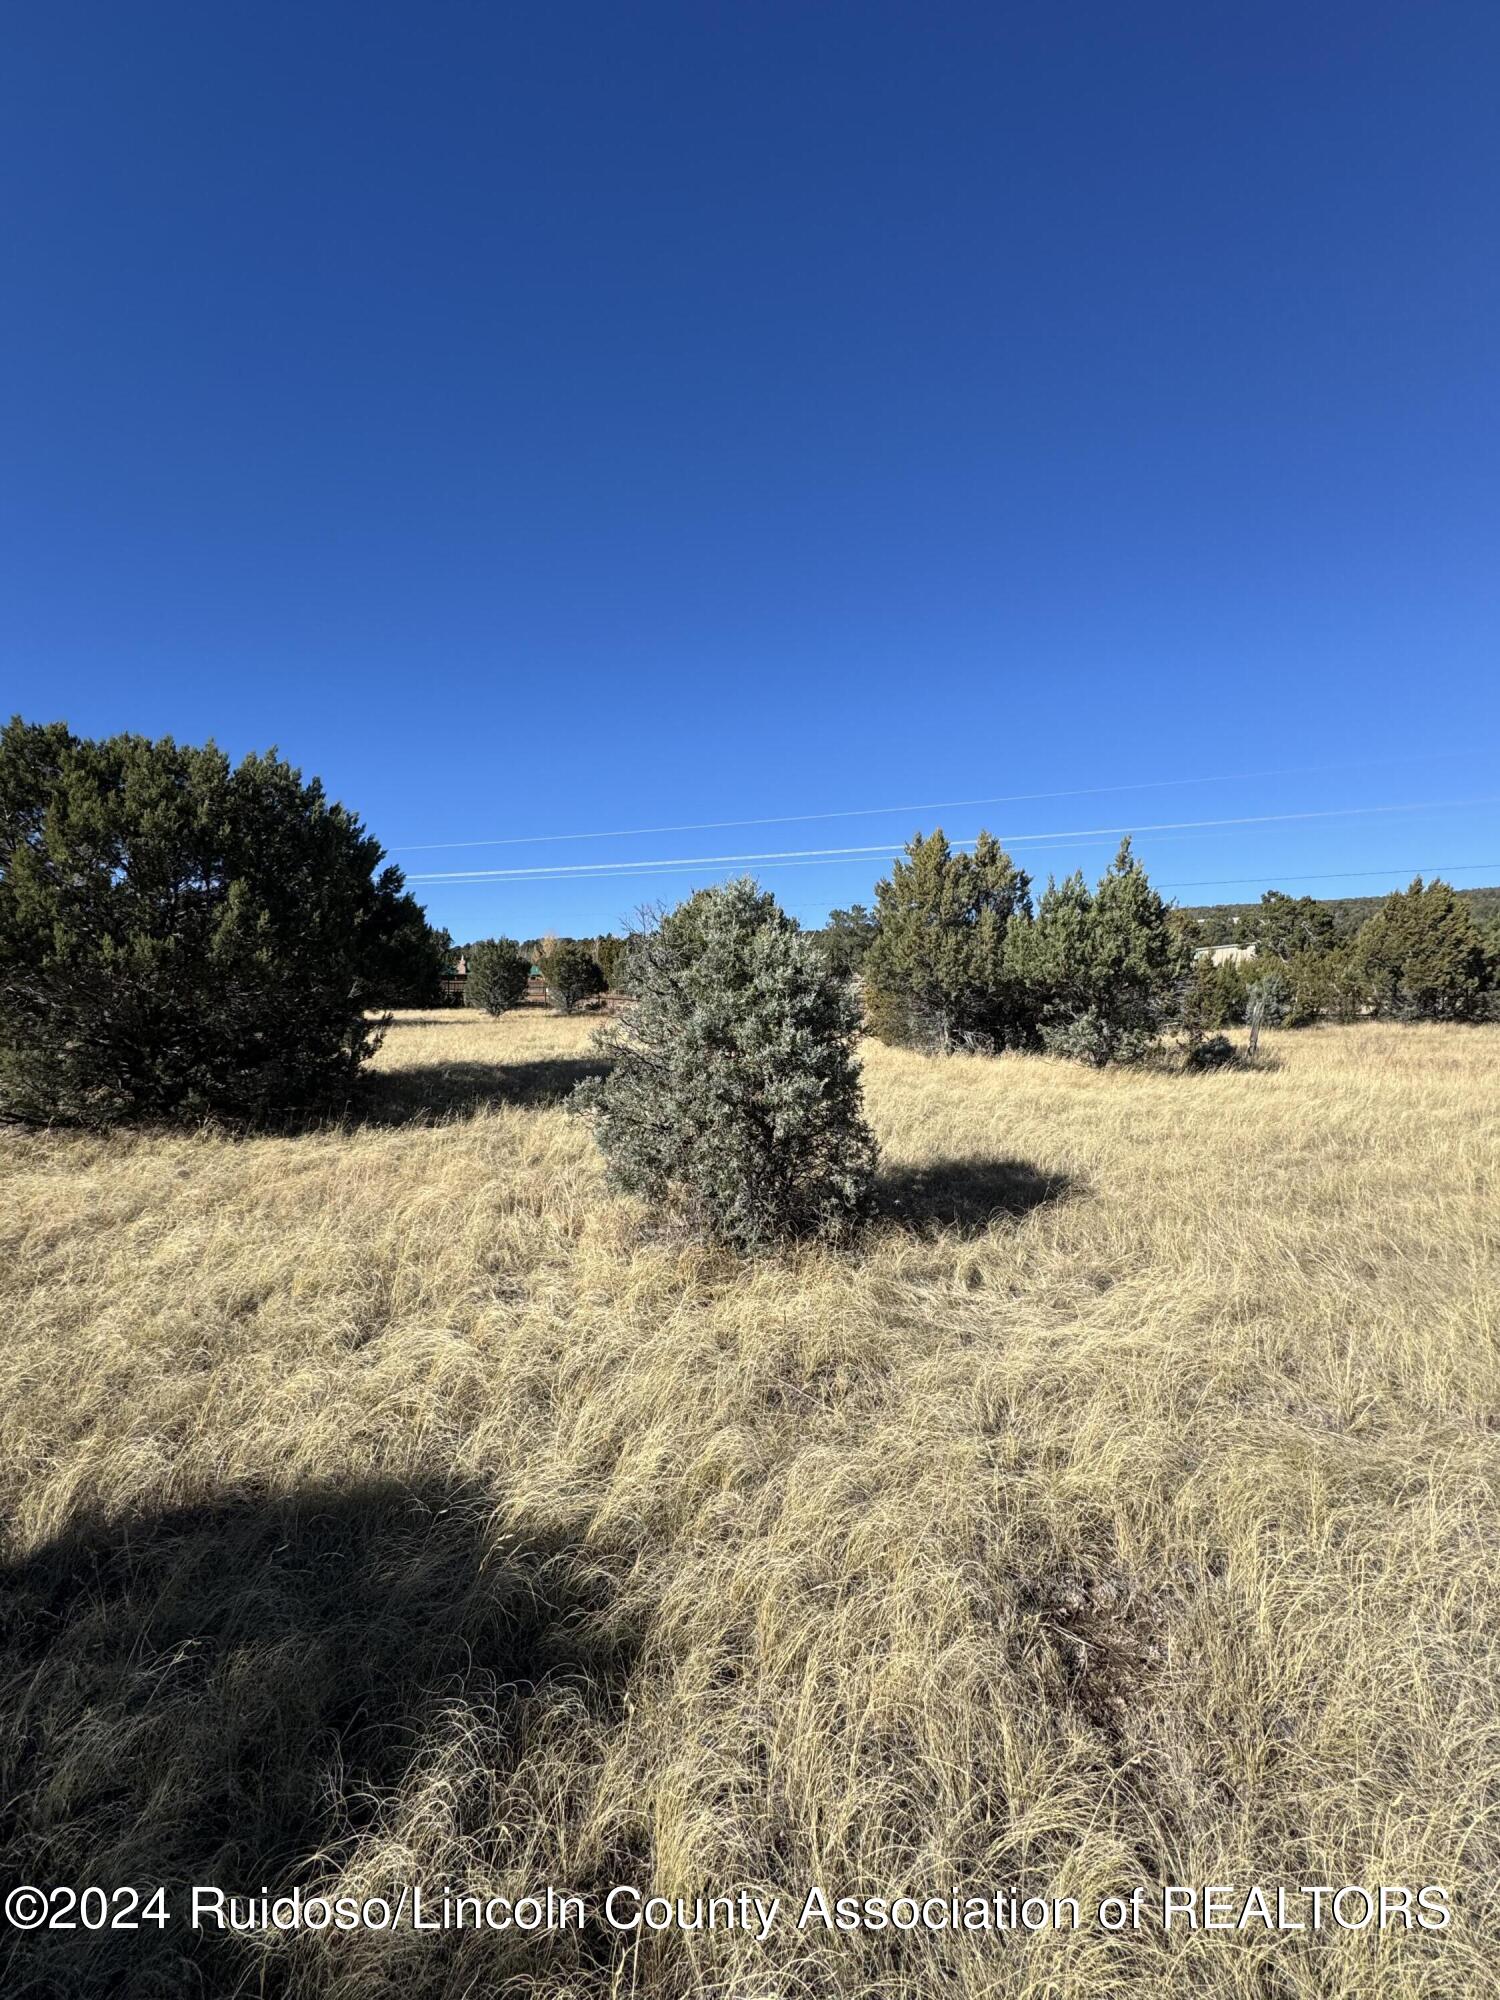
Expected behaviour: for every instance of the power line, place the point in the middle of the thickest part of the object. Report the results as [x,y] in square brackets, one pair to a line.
[938,805]
[1432,870]
[580,871]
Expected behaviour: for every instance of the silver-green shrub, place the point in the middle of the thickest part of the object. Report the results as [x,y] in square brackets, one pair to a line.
[733,1095]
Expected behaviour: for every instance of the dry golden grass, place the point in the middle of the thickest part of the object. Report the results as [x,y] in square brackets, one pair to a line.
[384,1503]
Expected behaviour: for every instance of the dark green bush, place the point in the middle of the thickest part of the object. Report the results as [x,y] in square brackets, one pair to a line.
[406,958]
[733,1099]
[1216,1052]
[572,975]
[610,953]
[847,937]
[497,975]
[179,937]
[1213,996]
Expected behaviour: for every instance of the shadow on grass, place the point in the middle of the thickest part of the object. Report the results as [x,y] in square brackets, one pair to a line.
[966,1195]
[441,1017]
[426,1093]
[234,1694]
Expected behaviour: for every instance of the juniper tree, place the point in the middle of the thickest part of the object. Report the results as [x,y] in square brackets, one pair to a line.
[941,970]
[847,937]
[733,1097]
[496,975]
[571,974]
[1423,956]
[1285,926]
[178,936]
[609,951]
[1103,968]
[1213,996]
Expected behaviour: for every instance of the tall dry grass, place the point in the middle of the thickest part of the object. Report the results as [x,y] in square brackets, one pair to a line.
[386,1503]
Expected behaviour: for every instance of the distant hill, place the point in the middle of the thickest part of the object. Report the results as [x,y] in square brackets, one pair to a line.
[1219,921]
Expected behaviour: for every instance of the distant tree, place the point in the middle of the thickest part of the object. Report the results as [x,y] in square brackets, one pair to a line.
[733,1098]
[1346,988]
[1268,999]
[847,937]
[1104,969]
[181,937]
[1213,996]
[1233,923]
[1424,956]
[1285,926]
[940,971]
[571,974]
[609,951]
[1189,928]
[497,975]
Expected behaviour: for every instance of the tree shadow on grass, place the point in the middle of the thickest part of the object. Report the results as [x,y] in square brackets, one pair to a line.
[234,1694]
[439,1017]
[428,1093]
[966,1196]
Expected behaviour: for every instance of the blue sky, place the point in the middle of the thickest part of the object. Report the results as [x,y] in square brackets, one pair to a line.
[557,420]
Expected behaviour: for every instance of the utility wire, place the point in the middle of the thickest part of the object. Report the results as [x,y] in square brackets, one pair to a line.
[583,871]
[1433,870]
[938,805]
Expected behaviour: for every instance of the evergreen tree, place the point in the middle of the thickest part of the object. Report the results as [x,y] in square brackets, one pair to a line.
[1103,969]
[1213,997]
[572,975]
[609,952]
[940,971]
[847,938]
[1285,926]
[179,937]
[733,1097]
[1424,957]
[497,975]
[1054,956]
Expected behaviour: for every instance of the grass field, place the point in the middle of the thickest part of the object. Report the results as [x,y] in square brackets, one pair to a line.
[387,1504]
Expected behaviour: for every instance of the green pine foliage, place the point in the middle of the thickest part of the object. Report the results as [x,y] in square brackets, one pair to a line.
[1285,926]
[1214,997]
[179,937]
[847,938]
[733,1098]
[572,975]
[1423,957]
[497,975]
[609,951]
[941,971]
[1104,969]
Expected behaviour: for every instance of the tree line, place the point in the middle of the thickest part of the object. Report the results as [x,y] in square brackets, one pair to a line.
[956,954]
[574,971]
[180,938]
[1225,923]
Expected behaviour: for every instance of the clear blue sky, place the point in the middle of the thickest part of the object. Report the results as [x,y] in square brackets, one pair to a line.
[542,420]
